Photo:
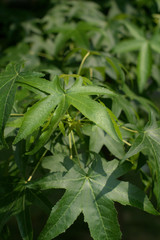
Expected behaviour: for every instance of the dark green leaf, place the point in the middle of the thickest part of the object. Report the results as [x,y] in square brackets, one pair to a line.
[7,93]
[91,192]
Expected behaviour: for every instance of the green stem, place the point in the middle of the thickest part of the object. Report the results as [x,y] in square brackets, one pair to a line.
[128,129]
[37,165]
[75,149]
[82,63]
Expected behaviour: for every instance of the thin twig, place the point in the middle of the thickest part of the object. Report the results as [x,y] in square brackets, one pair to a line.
[37,165]
[82,63]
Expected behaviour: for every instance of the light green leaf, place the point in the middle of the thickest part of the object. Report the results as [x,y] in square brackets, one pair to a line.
[56,118]
[91,90]
[35,80]
[155,45]
[95,112]
[134,30]
[36,116]
[144,66]
[128,45]
[138,145]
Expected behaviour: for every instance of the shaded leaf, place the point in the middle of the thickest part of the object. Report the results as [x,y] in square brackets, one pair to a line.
[7,93]
[91,192]
[24,222]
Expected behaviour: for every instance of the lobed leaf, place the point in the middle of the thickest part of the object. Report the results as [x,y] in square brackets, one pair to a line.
[36,116]
[7,93]
[92,192]
[95,112]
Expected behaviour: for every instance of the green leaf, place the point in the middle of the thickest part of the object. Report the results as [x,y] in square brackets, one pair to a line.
[138,145]
[91,90]
[35,80]
[24,222]
[36,116]
[98,138]
[128,45]
[95,112]
[7,93]
[91,191]
[153,143]
[127,107]
[117,68]
[144,65]
[155,45]
[56,118]
[134,30]
[10,205]
[63,214]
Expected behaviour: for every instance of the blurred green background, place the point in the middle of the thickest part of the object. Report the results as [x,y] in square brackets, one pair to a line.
[28,31]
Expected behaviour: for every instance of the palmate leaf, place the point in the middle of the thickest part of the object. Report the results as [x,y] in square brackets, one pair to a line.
[36,116]
[56,118]
[91,191]
[98,138]
[7,93]
[95,112]
[77,96]
[149,139]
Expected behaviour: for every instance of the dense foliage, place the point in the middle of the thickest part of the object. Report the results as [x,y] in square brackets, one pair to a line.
[79,111]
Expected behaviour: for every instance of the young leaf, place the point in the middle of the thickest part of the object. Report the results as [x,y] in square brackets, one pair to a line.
[134,30]
[128,45]
[91,90]
[57,116]
[91,192]
[95,112]
[36,116]
[144,65]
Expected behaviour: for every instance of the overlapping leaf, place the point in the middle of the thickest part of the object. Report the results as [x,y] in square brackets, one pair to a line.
[76,96]
[7,93]
[92,192]
[149,138]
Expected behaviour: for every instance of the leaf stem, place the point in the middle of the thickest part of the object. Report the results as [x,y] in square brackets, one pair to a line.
[70,145]
[37,165]
[82,63]
[75,148]
[128,129]
[127,143]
